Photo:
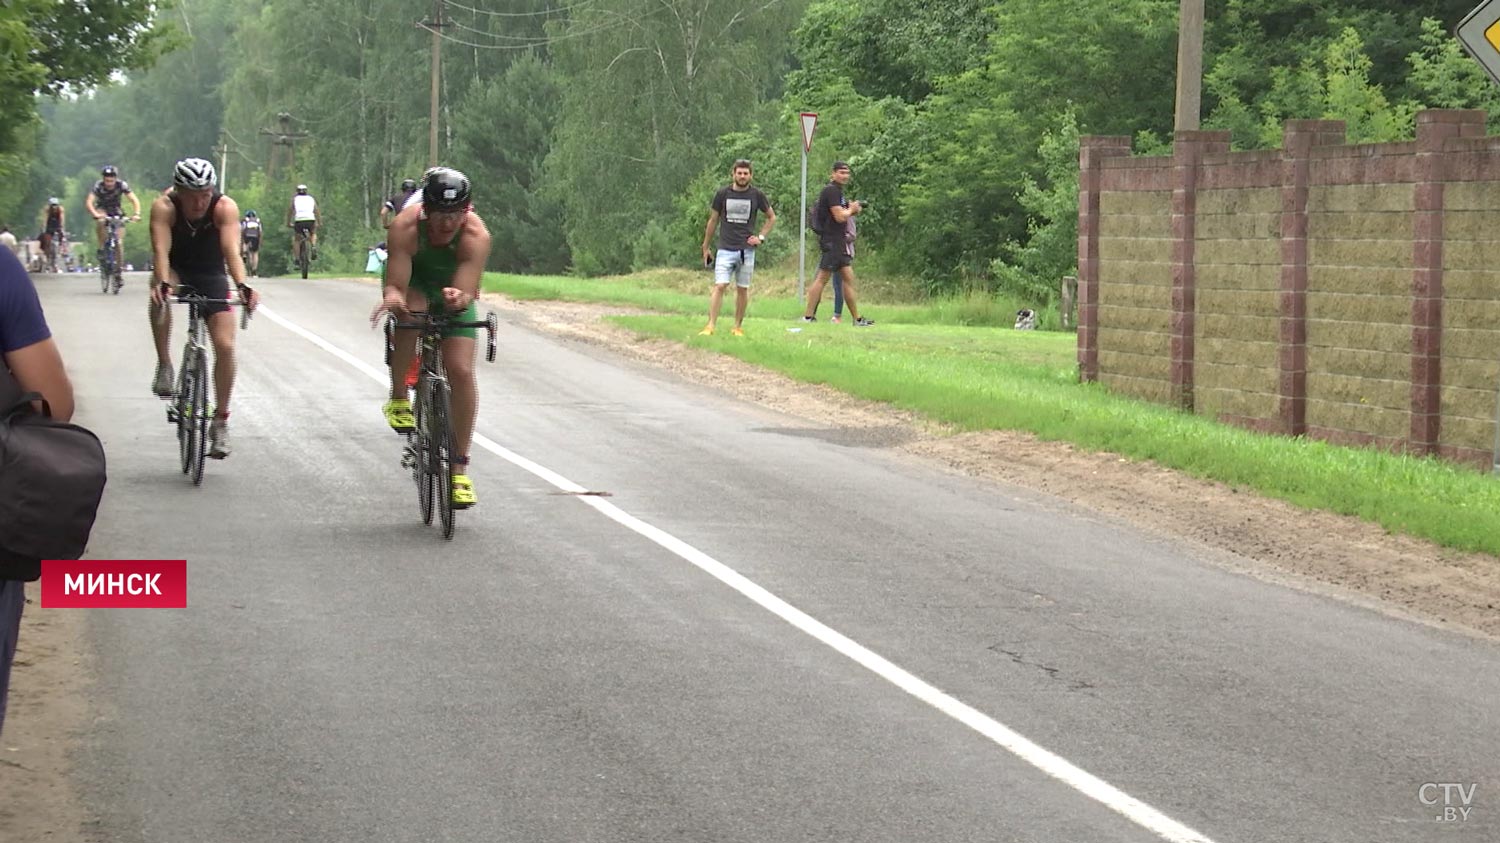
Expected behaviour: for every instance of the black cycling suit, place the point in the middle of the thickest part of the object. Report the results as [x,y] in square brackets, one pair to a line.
[108,201]
[197,256]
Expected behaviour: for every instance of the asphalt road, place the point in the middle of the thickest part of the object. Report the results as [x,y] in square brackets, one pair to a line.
[769,631]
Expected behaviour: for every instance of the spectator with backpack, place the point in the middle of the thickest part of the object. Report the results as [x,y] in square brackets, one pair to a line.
[830,219]
[54,471]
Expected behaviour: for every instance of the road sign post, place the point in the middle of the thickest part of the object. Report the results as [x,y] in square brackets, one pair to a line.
[809,125]
[1479,33]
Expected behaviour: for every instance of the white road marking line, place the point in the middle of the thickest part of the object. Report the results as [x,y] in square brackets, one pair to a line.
[1048,762]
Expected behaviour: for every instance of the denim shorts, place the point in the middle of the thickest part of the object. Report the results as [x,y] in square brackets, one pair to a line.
[736,265]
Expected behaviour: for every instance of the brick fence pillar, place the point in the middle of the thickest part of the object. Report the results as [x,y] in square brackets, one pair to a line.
[1434,128]
[1092,150]
[1188,148]
[1298,139]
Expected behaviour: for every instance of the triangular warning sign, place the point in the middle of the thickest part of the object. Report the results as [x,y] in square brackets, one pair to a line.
[809,123]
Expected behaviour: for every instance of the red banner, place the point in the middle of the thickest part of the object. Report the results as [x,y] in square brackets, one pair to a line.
[114,584]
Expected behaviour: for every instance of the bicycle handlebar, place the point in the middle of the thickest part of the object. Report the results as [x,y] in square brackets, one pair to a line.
[194,298]
[432,323]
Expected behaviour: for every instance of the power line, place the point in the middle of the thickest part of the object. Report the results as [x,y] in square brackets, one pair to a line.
[549,40]
[527,39]
[516,14]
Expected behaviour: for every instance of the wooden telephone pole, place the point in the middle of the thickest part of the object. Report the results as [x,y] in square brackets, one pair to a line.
[434,26]
[284,136]
[223,152]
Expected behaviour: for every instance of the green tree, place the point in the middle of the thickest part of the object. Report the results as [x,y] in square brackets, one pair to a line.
[502,133]
[1031,269]
[649,85]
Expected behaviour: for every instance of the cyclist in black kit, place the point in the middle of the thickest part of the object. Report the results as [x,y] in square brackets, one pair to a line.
[104,200]
[195,233]
[54,234]
[393,205]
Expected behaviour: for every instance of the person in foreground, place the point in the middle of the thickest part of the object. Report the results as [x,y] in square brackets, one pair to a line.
[32,363]
[436,251]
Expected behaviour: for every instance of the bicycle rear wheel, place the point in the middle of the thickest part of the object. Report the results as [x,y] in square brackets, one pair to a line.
[304,257]
[201,414]
[441,455]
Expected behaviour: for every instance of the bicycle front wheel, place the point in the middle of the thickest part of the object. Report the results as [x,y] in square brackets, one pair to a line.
[422,471]
[187,384]
[441,455]
[200,415]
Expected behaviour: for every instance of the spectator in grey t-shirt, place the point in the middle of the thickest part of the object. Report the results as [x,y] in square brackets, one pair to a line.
[733,212]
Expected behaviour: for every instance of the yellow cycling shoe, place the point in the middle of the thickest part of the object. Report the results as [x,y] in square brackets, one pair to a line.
[398,415]
[463,492]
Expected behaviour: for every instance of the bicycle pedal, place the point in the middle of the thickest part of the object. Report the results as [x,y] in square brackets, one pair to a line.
[171,416]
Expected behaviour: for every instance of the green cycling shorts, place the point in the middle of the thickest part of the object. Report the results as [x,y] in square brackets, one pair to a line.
[435,304]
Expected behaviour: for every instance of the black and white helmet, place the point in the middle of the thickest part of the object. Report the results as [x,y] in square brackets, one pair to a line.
[445,189]
[194,174]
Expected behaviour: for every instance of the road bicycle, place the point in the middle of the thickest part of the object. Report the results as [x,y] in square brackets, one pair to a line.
[189,408]
[302,251]
[110,276]
[428,452]
[55,244]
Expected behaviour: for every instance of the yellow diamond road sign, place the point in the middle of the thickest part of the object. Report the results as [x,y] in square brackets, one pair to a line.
[1479,32]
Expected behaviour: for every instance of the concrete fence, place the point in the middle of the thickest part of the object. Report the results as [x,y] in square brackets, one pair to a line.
[1345,292]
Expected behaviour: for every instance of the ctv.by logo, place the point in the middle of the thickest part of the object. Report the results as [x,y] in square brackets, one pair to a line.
[1456,799]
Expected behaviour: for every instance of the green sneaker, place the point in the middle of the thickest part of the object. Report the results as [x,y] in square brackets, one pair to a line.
[463,492]
[398,415]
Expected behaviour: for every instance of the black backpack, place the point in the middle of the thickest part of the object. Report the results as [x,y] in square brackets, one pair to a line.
[812,219]
[52,476]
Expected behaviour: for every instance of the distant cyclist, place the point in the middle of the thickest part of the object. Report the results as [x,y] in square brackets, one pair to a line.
[437,250]
[54,239]
[104,200]
[250,232]
[393,205]
[303,217]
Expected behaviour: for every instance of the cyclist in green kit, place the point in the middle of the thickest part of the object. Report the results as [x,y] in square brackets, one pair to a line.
[436,251]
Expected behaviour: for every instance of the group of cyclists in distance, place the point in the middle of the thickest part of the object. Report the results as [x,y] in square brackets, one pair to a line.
[436,248]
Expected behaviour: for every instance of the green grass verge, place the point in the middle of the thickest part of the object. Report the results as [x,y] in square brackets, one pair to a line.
[928,359]
[681,291]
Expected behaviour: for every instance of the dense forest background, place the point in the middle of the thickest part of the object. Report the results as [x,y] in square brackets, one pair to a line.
[596,130]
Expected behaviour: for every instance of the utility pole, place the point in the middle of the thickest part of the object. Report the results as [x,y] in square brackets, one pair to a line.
[223,150]
[435,26]
[1189,65]
[282,137]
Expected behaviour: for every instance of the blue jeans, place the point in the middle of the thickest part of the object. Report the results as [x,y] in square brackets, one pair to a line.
[12,601]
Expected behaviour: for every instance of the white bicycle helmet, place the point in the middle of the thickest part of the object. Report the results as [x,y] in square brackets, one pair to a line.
[194,174]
